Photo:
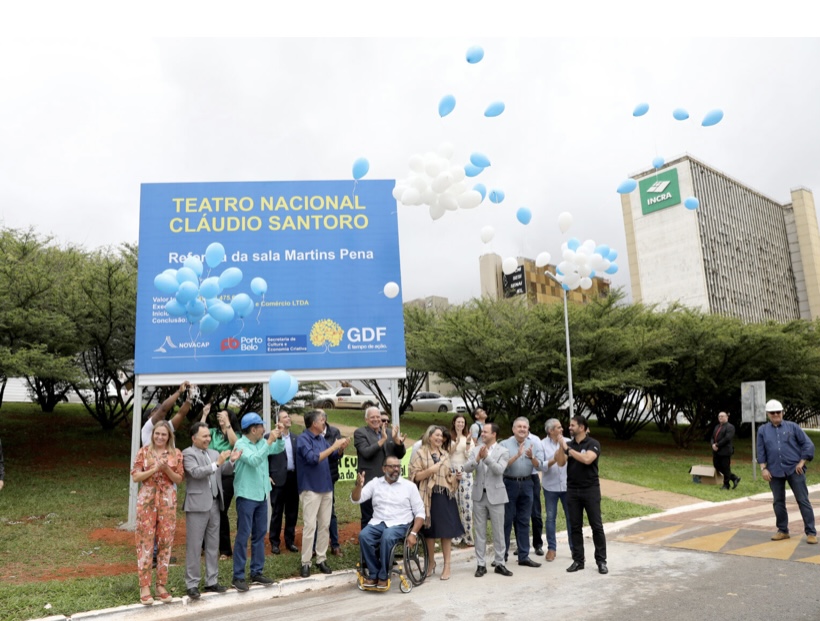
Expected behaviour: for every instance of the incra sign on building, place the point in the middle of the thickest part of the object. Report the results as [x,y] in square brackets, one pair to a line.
[258,276]
[659,191]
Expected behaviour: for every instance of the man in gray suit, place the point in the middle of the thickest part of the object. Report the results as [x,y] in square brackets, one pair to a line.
[489,460]
[204,500]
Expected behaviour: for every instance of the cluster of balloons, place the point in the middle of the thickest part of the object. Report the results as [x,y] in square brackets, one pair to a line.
[283,386]
[197,298]
[581,261]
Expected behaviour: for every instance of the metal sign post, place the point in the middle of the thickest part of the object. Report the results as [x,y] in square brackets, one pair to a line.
[753,410]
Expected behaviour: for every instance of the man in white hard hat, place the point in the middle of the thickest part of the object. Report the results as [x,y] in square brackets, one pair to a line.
[783,449]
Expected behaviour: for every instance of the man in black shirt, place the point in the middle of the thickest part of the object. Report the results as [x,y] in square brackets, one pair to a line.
[583,492]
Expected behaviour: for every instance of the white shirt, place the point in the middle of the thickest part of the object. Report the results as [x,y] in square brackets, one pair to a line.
[289,450]
[554,478]
[148,429]
[393,503]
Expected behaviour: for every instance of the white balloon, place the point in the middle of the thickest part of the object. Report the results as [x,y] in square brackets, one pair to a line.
[568,255]
[487,234]
[509,265]
[458,188]
[585,283]
[428,197]
[436,211]
[564,221]
[584,271]
[411,196]
[442,182]
[542,259]
[445,150]
[432,168]
[581,259]
[416,163]
[596,261]
[419,182]
[448,201]
[391,290]
[566,267]
[572,280]
[605,265]
[589,246]
[398,191]
[469,199]
[457,173]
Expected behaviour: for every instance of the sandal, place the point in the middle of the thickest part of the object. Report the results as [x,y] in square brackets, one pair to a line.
[164,596]
[224,557]
[147,599]
[445,572]
[431,569]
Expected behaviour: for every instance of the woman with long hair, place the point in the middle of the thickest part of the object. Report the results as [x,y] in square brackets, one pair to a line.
[460,447]
[223,438]
[158,467]
[431,470]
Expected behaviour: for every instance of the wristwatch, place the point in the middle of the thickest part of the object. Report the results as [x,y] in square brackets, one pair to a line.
[414,534]
[566,450]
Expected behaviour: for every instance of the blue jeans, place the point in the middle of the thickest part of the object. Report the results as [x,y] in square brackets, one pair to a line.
[551,501]
[797,482]
[251,521]
[519,510]
[376,541]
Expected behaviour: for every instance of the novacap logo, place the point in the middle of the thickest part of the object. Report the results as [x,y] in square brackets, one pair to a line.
[660,191]
[168,343]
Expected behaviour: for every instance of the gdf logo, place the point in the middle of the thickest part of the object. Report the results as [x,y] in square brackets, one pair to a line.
[366,335]
[229,343]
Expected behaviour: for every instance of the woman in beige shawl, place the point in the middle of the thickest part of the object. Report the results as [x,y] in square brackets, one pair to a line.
[438,482]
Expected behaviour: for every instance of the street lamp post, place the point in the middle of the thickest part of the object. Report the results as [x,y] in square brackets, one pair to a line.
[566,334]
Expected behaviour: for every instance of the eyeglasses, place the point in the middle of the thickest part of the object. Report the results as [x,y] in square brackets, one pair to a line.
[385,420]
[778,413]
[392,466]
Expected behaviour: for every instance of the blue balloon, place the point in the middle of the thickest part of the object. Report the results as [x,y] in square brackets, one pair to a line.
[479,159]
[214,254]
[602,250]
[171,272]
[210,288]
[627,186]
[279,386]
[592,274]
[175,308]
[242,304]
[573,243]
[612,269]
[187,292]
[360,168]
[208,324]
[494,109]
[475,54]
[565,288]
[166,283]
[193,262]
[524,215]
[259,286]
[679,114]
[446,105]
[613,254]
[196,309]
[472,171]
[230,277]
[559,272]
[222,312]
[640,109]
[186,274]
[292,390]
[496,196]
[691,203]
[479,187]
[657,162]
[712,118]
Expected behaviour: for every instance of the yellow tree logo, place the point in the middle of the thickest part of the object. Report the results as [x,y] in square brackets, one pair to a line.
[326,332]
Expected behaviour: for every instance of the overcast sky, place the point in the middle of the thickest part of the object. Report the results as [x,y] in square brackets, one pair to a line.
[85,121]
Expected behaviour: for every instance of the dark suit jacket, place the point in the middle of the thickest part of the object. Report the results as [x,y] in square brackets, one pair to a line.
[724,439]
[371,455]
[331,435]
[278,464]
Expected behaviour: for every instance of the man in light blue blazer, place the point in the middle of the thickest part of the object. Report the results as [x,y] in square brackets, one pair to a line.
[204,500]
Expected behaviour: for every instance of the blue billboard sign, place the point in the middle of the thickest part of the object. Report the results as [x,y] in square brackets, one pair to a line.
[259,276]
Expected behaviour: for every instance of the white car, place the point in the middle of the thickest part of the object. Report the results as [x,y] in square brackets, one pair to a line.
[345,398]
[430,402]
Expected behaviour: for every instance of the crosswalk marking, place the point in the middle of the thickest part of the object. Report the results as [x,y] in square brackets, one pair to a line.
[708,543]
[781,550]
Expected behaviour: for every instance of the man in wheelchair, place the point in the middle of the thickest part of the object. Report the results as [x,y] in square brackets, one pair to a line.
[397,506]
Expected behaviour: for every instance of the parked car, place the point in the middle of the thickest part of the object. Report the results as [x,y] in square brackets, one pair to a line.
[430,402]
[345,398]
[459,405]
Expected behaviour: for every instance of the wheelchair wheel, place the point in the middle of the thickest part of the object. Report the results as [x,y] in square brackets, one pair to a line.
[415,561]
[404,584]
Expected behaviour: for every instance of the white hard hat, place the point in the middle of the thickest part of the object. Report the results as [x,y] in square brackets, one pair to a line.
[773,405]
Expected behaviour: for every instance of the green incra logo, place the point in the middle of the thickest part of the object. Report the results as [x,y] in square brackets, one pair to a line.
[660,191]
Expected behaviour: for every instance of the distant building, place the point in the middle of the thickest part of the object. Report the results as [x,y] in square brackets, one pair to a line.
[530,281]
[740,253]
[431,302]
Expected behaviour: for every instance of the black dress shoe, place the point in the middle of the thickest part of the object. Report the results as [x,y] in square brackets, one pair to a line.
[735,482]
[240,585]
[324,568]
[493,564]
[260,579]
[480,571]
[528,562]
[305,571]
[602,569]
[275,549]
[539,551]
[193,593]
[292,548]
[215,588]
[576,566]
[500,569]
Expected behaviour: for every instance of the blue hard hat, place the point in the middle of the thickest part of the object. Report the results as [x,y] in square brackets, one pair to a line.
[251,418]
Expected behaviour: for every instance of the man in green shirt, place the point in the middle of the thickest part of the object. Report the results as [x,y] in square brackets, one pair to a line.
[251,487]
